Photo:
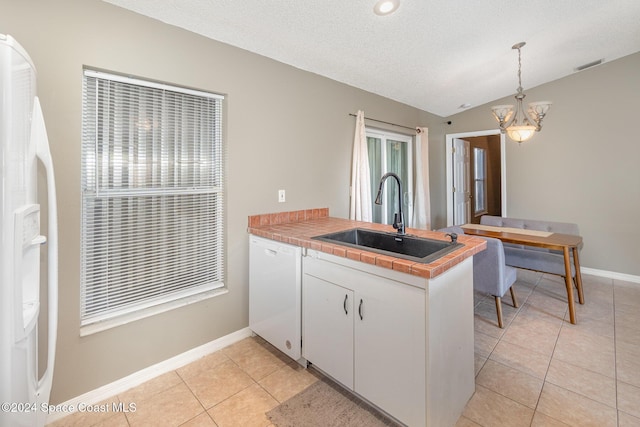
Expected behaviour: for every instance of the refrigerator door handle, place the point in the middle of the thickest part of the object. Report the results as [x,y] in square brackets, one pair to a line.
[39,240]
[39,132]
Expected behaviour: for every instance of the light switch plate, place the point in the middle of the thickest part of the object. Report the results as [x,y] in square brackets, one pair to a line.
[281,196]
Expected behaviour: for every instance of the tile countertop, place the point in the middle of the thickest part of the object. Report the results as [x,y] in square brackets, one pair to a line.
[298,227]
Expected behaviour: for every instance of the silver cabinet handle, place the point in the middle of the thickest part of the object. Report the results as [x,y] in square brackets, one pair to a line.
[360,310]
[344,304]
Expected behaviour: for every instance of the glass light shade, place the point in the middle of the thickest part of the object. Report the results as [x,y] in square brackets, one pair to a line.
[519,123]
[502,113]
[539,108]
[521,133]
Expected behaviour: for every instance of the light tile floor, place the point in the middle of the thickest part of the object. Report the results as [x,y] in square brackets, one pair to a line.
[235,386]
[538,371]
[543,371]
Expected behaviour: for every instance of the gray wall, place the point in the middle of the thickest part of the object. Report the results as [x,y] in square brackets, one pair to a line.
[285,129]
[580,168]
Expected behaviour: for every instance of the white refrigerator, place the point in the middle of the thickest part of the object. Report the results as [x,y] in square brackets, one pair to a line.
[24,149]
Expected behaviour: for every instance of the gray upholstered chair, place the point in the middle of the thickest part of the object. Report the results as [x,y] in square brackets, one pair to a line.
[490,273]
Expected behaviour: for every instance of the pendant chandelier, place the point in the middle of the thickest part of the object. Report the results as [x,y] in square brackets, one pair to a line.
[520,125]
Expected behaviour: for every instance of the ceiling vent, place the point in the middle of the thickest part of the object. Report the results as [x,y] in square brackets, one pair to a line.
[589,65]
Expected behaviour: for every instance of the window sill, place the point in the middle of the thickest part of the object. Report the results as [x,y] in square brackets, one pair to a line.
[148,312]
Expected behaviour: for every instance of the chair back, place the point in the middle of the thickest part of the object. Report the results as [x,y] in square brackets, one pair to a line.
[490,273]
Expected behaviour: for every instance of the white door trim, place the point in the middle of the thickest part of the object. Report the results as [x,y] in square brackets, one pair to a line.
[449,168]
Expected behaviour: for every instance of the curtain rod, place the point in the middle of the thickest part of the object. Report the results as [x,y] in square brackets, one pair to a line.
[415,129]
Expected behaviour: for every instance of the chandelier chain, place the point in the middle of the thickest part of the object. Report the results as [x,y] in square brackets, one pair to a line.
[519,72]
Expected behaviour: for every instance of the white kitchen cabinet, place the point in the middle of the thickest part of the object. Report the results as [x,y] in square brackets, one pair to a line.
[389,347]
[328,325]
[365,331]
[402,342]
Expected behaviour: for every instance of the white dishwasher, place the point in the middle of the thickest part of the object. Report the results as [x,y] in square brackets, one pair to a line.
[275,289]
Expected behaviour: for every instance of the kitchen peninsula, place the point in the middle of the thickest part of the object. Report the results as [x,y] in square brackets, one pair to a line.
[397,332]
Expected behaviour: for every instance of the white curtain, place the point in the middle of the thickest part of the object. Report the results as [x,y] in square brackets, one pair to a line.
[360,208]
[422,199]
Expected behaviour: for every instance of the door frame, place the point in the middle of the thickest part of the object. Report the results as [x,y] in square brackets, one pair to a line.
[407,197]
[449,168]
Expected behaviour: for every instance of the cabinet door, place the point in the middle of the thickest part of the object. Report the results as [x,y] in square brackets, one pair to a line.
[328,328]
[390,347]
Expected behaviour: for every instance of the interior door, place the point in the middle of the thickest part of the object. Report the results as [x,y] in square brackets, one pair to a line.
[496,169]
[461,190]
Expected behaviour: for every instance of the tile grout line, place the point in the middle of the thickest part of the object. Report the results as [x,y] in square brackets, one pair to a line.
[263,345]
[255,382]
[616,365]
[549,364]
[615,368]
[195,397]
[518,311]
[544,380]
[206,410]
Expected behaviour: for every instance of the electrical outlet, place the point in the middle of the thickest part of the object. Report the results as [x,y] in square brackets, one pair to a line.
[281,196]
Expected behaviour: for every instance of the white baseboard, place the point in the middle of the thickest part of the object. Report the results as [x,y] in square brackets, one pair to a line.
[610,274]
[109,390]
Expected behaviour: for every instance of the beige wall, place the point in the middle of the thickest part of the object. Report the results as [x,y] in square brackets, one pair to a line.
[581,167]
[285,129]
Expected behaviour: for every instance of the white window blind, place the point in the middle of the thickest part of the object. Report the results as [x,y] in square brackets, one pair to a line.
[152,195]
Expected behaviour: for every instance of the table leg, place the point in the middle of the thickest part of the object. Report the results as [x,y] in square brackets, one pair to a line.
[569,283]
[576,264]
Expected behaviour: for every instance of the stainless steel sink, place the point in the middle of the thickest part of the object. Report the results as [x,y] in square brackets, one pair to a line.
[418,249]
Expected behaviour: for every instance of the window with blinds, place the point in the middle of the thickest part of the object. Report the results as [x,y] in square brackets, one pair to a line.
[152,195]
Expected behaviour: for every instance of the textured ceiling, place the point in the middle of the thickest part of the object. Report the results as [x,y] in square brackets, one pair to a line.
[431,54]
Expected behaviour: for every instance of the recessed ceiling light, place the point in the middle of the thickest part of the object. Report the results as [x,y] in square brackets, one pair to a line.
[385,7]
[465,105]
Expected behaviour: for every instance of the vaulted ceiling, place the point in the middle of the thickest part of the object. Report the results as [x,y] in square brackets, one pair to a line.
[435,55]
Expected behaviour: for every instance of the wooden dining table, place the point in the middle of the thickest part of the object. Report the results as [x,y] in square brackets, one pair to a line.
[568,244]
